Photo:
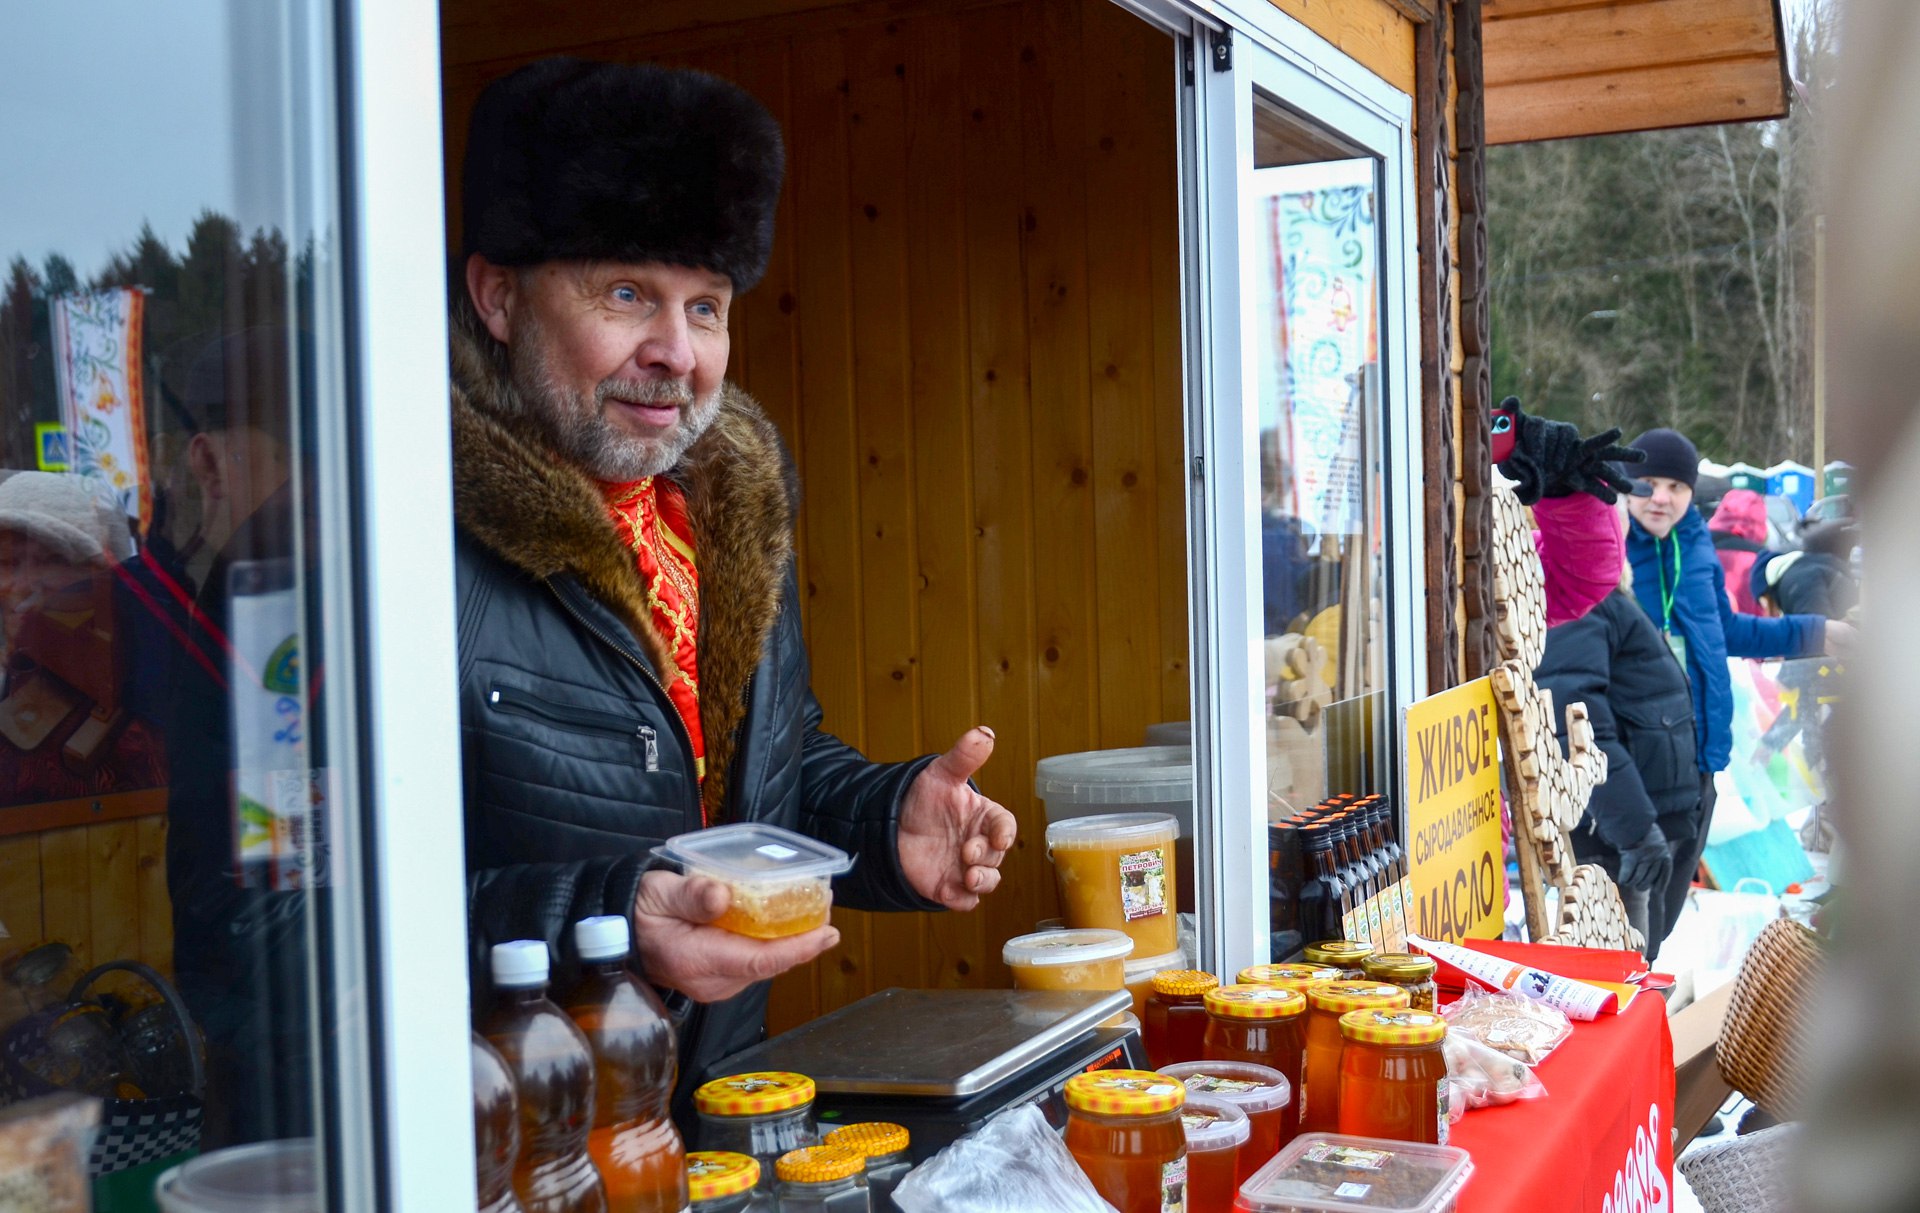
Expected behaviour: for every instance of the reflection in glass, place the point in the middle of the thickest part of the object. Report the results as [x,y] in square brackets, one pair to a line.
[165,326]
[1314,328]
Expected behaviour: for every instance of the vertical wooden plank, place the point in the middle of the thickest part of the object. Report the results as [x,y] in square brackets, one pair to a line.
[155,905]
[113,895]
[957,944]
[877,247]
[1053,224]
[1120,280]
[20,890]
[1002,497]
[66,903]
[829,457]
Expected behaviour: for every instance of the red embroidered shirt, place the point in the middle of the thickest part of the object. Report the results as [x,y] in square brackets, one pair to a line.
[650,517]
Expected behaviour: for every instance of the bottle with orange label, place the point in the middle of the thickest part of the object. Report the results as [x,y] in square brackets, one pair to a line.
[634,1144]
[1260,1024]
[1393,1076]
[1123,1128]
[1320,1087]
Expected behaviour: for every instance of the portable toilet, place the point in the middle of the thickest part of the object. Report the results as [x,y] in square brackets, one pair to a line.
[1794,481]
[1839,477]
[1746,476]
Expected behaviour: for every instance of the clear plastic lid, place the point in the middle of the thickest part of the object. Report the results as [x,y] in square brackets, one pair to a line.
[1326,1171]
[1109,829]
[1066,947]
[1245,1084]
[266,1177]
[1154,774]
[1140,969]
[1213,1123]
[751,851]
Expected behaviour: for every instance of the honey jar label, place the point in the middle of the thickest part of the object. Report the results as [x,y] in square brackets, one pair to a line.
[1143,883]
[1173,1186]
[1208,1084]
[1353,1158]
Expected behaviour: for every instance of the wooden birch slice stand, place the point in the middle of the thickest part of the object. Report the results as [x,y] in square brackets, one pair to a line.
[1566,903]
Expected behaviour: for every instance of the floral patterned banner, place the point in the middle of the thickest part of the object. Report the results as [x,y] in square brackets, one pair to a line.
[96,341]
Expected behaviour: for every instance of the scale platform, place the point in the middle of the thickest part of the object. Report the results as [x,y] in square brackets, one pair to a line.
[942,1062]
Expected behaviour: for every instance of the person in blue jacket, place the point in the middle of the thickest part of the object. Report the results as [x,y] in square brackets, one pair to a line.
[1680,584]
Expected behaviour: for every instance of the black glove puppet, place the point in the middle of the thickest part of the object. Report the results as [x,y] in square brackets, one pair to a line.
[1647,863]
[1550,459]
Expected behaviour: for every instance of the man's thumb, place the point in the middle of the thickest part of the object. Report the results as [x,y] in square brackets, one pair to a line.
[968,754]
[695,899]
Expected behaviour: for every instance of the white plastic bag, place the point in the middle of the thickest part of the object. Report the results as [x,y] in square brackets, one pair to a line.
[1015,1163]
[1479,1077]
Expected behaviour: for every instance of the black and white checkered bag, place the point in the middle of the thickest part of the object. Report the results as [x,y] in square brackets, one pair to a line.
[131,1131]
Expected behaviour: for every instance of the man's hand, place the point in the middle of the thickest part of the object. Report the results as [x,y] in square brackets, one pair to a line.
[952,838]
[680,951]
[1648,863]
[1840,638]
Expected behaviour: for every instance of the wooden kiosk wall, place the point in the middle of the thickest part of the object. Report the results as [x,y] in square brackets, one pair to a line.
[970,337]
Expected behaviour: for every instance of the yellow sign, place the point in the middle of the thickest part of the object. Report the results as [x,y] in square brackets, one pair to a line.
[1453,815]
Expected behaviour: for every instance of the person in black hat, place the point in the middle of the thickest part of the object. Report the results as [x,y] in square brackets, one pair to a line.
[1679,582]
[632,664]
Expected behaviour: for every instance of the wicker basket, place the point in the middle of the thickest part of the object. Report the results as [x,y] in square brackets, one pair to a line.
[1746,1175]
[1760,1051]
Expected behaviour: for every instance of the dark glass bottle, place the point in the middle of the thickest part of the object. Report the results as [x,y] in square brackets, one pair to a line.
[1285,876]
[1323,891]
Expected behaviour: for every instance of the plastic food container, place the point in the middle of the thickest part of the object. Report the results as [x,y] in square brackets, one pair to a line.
[1117,872]
[1146,779]
[762,1115]
[782,882]
[1262,1092]
[1068,960]
[1217,1164]
[1141,971]
[267,1177]
[721,1182]
[1327,1173]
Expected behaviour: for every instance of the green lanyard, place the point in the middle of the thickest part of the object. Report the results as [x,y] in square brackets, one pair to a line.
[1668,593]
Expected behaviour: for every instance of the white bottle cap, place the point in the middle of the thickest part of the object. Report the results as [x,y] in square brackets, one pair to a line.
[520,963]
[601,938]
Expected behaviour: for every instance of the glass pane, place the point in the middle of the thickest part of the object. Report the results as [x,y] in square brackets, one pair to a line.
[1314,328]
[169,333]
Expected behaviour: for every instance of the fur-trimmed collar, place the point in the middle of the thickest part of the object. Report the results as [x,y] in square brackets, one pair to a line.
[514,494]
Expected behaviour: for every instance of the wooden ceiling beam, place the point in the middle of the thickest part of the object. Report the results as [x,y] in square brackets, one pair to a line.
[1417,11]
[1688,94]
[1579,42]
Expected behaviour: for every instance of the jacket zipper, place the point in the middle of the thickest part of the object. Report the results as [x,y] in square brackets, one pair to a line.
[507,699]
[653,748]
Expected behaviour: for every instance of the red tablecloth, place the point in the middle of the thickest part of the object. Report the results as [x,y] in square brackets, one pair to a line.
[1601,1141]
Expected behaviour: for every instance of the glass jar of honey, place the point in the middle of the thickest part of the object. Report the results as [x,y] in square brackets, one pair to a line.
[1176,1017]
[885,1145]
[1393,1076]
[1319,1097]
[1347,955]
[1116,872]
[1140,974]
[1287,976]
[761,1115]
[721,1182]
[1123,1128]
[1262,1092]
[1260,1024]
[1217,1133]
[1411,972]
[823,1179]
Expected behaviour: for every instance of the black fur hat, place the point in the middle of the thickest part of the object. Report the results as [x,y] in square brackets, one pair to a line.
[570,159]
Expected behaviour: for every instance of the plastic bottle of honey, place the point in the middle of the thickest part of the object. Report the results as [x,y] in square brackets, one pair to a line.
[1176,1018]
[552,1070]
[1123,1128]
[1319,1098]
[1260,1024]
[496,1129]
[633,1143]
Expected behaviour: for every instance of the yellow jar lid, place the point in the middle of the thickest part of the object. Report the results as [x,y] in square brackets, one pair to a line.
[1124,1093]
[1376,1027]
[1184,981]
[1344,996]
[871,1138]
[819,1164]
[1291,976]
[715,1173]
[1398,966]
[1339,953]
[754,1094]
[1255,1002]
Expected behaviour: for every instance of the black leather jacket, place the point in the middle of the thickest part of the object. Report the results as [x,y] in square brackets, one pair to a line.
[576,764]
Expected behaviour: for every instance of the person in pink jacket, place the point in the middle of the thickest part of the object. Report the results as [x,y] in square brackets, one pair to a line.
[1739,529]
